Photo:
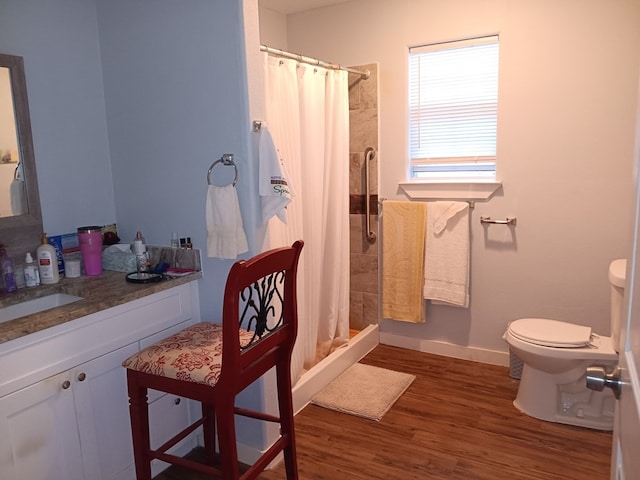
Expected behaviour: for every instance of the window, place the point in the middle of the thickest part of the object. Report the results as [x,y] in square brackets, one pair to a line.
[453,106]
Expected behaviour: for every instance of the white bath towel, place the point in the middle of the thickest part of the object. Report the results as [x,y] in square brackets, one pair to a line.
[225,233]
[447,253]
[274,186]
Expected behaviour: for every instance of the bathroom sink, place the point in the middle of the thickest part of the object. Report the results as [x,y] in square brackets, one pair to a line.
[36,305]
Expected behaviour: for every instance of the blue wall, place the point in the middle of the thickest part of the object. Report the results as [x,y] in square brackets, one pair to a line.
[59,43]
[131,101]
[175,89]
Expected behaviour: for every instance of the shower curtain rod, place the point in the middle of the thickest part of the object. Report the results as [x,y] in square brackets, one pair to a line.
[312,61]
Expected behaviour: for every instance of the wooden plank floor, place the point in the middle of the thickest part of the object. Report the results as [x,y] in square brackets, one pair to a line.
[456,421]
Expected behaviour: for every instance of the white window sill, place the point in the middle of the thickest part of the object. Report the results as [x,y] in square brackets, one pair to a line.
[450,190]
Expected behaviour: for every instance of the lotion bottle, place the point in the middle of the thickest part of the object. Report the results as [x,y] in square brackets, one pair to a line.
[47,262]
[31,273]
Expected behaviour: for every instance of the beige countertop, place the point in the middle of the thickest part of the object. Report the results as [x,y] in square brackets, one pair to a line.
[98,293]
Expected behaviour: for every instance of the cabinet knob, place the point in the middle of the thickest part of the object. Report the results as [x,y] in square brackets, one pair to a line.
[177,401]
[66,384]
[82,376]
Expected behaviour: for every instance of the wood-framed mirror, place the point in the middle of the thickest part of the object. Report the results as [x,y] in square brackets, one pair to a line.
[21,217]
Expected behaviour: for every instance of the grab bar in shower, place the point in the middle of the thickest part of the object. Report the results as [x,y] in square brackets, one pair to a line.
[369,155]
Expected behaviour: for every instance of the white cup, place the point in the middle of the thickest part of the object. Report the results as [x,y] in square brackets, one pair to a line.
[72,268]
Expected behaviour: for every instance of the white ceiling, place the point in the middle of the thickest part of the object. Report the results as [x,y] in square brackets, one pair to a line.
[295,6]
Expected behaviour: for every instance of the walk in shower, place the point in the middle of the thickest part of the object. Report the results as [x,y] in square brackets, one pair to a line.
[356,330]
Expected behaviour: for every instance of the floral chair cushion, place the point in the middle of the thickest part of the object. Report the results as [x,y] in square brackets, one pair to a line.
[192,355]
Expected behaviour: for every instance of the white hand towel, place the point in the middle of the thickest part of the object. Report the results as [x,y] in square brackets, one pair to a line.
[225,233]
[447,253]
[274,186]
[18,198]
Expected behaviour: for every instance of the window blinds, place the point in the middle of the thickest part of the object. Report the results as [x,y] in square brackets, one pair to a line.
[453,100]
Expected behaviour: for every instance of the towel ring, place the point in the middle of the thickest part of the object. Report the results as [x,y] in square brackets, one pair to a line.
[227,160]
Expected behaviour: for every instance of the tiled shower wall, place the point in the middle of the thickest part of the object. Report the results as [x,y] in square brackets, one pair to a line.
[363,125]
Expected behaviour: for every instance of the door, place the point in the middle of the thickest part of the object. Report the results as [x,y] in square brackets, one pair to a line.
[625,461]
[39,439]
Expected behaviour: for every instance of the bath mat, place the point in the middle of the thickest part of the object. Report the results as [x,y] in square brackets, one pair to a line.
[364,390]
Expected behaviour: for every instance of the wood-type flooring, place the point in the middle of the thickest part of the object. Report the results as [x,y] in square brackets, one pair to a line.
[455,422]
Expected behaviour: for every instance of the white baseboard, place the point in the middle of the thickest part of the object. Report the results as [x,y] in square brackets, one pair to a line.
[474,354]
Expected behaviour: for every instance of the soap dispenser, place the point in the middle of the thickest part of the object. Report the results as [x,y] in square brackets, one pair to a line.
[47,262]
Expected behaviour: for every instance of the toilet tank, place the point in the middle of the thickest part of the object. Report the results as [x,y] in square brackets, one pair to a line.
[617,278]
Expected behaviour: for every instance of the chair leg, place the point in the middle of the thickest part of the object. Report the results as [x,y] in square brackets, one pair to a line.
[209,432]
[139,413]
[225,422]
[285,405]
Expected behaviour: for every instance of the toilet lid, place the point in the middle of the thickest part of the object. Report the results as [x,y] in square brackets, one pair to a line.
[550,333]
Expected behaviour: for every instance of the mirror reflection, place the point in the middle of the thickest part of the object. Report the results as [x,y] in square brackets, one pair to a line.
[20,213]
[12,189]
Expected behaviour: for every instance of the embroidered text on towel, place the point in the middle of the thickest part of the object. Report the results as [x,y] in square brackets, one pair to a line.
[274,187]
[280,186]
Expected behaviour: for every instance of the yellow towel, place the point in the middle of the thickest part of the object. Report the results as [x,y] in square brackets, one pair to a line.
[403,234]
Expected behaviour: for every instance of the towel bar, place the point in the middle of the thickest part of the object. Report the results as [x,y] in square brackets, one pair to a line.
[227,160]
[506,221]
[472,203]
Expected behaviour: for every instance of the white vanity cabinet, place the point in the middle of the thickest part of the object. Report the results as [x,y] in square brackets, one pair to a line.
[63,395]
[39,432]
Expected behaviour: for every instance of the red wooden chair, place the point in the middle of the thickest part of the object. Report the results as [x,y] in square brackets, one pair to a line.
[212,363]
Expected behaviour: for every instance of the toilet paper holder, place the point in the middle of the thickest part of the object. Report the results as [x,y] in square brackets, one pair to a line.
[506,221]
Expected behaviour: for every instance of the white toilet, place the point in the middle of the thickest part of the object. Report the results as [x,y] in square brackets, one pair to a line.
[556,355]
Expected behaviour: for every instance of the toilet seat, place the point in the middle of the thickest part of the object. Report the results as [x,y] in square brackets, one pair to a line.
[550,333]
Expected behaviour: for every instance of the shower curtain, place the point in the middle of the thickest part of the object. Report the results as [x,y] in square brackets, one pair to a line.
[307,113]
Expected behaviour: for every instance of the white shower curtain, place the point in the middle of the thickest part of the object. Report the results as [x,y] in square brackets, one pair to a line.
[307,113]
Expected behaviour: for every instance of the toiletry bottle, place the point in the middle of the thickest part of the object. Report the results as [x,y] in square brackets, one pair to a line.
[31,274]
[47,262]
[140,251]
[7,271]
[174,240]
[189,245]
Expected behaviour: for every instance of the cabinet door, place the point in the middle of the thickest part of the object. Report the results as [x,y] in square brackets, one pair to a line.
[102,409]
[39,439]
